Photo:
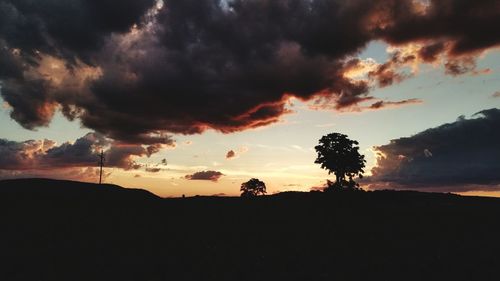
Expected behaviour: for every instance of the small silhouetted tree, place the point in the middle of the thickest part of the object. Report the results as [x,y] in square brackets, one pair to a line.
[340,156]
[252,188]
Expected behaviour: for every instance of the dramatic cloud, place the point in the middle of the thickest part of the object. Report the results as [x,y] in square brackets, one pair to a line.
[44,157]
[431,52]
[205,175]
[70,28]
[145,69]
[44,154]
[458,156]
[121,155]
[456,20]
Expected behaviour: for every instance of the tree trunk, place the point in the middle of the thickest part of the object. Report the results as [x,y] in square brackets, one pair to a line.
[339,179]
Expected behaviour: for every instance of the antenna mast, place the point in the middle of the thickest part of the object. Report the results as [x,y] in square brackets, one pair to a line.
[101,164]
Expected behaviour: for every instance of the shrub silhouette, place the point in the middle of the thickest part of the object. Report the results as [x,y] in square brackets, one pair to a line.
[340,156]
[252,188]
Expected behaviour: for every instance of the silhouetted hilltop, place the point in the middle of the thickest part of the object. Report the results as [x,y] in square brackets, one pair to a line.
[47,188]
[61,230]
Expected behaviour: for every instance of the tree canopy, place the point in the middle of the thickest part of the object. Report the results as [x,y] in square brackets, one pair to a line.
[253,187]
[340,156]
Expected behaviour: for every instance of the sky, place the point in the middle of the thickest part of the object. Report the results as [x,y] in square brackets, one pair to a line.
[196,97]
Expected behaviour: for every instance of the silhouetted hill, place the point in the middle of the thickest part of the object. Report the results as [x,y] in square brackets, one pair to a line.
[60,230]
[45,188]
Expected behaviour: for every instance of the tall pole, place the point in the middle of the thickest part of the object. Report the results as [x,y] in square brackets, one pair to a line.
[101,163]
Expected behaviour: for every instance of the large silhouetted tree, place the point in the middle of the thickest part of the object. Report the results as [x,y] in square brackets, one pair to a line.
[340,156]
[253,188]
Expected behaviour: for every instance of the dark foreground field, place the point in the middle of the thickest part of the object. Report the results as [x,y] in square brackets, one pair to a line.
[53,230]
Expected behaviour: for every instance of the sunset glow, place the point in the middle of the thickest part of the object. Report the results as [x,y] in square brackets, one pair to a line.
[185,104]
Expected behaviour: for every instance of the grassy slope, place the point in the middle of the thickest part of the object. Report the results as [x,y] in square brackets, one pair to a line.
[55,230]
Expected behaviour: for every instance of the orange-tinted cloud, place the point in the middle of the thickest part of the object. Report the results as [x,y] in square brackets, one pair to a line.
[44,157]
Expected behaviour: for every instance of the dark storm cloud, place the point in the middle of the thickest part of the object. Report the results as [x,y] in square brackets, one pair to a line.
[469,26]
[45,154]
[10,67]
[459,156]
[136,70]
[429,53]
[205,175]
[84,152]
[70,27]
[33,109]
[122,155]
[72,30]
